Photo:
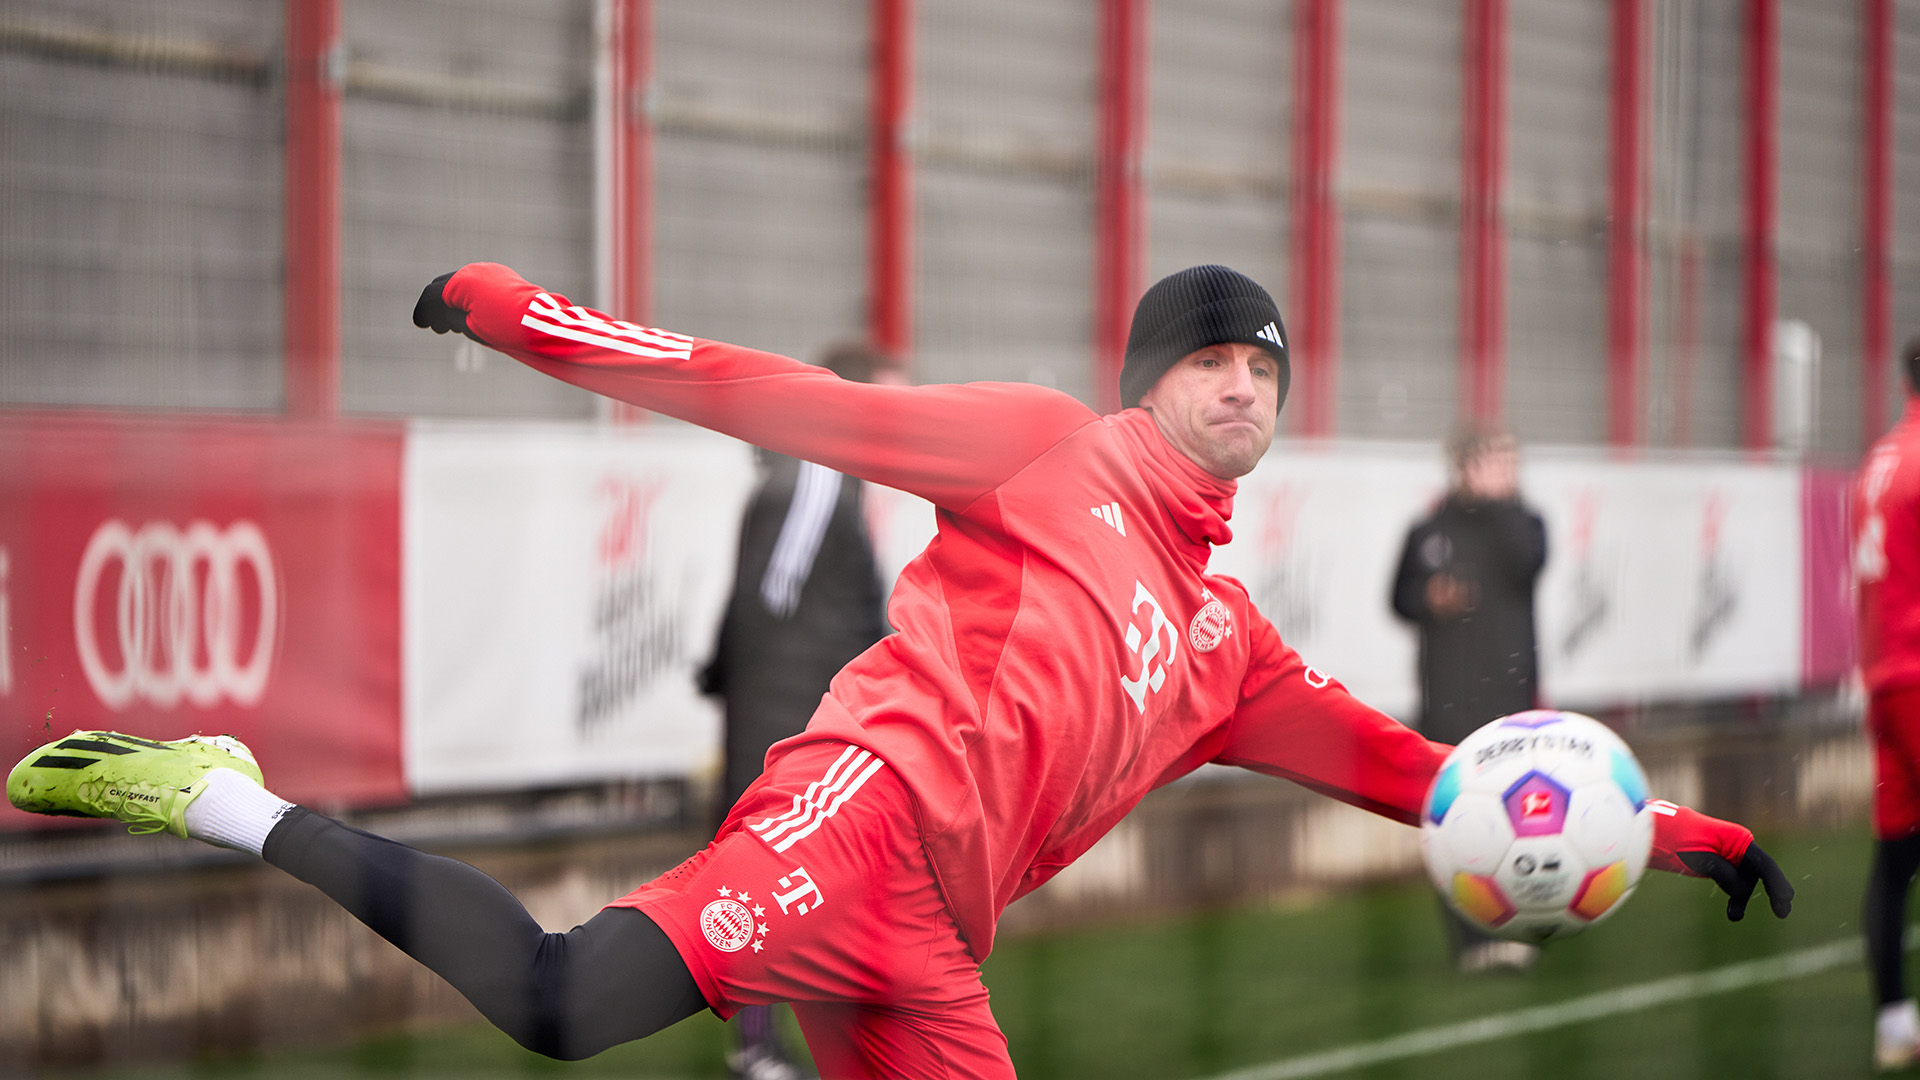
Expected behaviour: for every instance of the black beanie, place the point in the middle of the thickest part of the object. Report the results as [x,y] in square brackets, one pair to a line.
[1190,310]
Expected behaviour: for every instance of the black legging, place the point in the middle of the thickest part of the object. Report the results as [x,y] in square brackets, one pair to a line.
[612,979]
[1894,864]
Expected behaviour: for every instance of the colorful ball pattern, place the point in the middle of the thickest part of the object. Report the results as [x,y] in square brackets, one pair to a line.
[1537,825]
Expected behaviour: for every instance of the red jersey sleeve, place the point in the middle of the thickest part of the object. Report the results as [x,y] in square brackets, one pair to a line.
[1296,723]
[1678,830]
[1885,521]
[949,444]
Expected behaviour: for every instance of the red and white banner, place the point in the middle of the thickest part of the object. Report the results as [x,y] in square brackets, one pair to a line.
[1316,537]
[1667,581]
[1664,581]
[563,585]
[383,613]
[1829,631]
[167,577]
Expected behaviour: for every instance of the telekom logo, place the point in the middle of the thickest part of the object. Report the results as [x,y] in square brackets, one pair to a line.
[178,612]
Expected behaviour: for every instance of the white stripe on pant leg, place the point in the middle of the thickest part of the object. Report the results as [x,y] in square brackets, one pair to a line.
[821,805]
[808,805]
[801,802]
[833,809]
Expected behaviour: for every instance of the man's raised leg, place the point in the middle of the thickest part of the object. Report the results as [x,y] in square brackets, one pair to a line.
[613,979]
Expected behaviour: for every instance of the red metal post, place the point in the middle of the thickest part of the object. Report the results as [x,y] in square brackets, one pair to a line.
[890,162]
[1483,300]
[1626,232]
[630,174]
[1762,112]
[1314,330]
[632,151]
[311,303]
[1119,245]
[1876,217]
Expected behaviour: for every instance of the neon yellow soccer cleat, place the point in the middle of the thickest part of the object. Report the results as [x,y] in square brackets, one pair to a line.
[105,774]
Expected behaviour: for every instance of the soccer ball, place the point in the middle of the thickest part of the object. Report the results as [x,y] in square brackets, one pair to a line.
[1537,825]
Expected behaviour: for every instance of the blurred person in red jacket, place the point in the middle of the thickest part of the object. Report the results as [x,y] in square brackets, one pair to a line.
[1886,562]
[1061,650]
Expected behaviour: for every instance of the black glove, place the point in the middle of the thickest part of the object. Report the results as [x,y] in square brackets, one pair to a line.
[1738,881]
[433,313]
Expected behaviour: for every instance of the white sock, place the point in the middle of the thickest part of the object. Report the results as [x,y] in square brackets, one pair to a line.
[234,812]
[1898,1023]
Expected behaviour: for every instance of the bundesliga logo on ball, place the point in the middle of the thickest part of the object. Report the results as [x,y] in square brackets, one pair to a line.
[1537,825]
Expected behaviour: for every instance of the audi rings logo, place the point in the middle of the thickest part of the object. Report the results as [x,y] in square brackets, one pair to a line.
[163,614]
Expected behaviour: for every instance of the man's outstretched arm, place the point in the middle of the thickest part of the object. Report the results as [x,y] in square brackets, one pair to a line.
[947,443]
[1686,841]
[1298,724]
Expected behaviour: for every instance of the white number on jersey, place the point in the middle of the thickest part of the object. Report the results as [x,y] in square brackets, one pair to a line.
[1152,674]
[1870,546]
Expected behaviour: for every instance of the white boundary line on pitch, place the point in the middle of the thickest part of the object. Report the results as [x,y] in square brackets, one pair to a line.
[1793,965]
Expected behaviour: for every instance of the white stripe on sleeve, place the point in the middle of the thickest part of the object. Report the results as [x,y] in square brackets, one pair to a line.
[583,325]
[814,495]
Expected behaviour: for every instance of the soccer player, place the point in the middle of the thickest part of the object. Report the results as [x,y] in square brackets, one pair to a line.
[1061,651]
[1886,557]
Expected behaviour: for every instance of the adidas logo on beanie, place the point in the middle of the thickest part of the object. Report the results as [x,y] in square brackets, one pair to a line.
[1190,310]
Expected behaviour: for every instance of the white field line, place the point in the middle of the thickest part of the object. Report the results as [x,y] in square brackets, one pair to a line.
[1626,999]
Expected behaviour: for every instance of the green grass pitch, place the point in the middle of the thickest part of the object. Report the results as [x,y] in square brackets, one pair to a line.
[1256,988]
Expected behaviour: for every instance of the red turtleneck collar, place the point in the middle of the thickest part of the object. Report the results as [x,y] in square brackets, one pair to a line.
[1199,502]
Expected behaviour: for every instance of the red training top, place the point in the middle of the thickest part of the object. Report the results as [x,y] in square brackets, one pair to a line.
[1062,649]
[1886,555]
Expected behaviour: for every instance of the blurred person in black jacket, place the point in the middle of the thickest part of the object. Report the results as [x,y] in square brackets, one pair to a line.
[807,597]
[1466,580]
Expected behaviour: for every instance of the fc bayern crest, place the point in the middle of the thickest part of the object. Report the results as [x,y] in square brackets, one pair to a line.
[730,925]
[1211,625]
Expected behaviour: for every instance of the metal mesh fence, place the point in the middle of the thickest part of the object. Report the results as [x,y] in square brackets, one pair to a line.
[142,217]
